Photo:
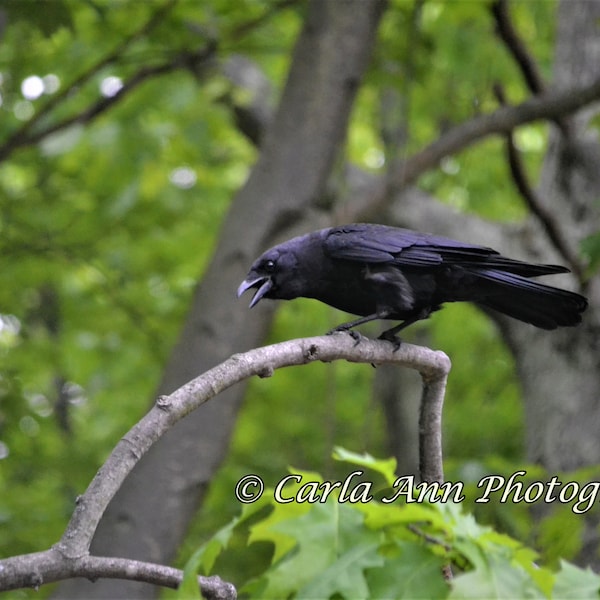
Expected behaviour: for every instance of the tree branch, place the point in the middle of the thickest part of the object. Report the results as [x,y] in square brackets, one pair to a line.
[17,138]
[187,59]
[70,556]
[38,568]
[26,135]
[548,106]
[525,61]
[431,466]
[550,225]
[535,82]
[516,46]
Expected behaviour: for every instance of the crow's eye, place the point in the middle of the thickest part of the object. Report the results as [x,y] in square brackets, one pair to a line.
[269,266]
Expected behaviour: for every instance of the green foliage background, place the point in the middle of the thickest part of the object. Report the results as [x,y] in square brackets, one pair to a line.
[333,548]
[101,249]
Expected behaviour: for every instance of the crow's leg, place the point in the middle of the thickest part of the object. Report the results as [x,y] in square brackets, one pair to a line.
[351,324]
[390,334]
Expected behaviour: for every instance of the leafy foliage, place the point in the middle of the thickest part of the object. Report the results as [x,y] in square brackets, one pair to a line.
[332,548]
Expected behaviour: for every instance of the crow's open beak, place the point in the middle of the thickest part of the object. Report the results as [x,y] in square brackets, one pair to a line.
[263,283]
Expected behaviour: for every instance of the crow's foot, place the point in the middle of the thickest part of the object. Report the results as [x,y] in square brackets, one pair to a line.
[391,337]
[344,328]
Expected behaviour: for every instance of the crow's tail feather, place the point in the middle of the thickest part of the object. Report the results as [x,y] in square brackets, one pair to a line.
[541,305]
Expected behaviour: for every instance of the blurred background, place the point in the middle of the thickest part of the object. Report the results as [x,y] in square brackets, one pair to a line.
[151,150]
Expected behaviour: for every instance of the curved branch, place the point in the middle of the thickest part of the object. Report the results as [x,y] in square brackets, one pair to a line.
[516,46]
[553,229]
[70,556]
[549,106]
[38,568]
[23,136]
[170,409]
[188,59]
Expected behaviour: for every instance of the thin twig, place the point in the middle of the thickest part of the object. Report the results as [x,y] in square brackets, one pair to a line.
[25,134]
[22,133]
[516,46]
[533,202]
[547,106]
[188,59]
[430,539]
[524,59]
[36,569]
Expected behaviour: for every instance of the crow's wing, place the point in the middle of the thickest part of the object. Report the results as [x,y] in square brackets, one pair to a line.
[372,243]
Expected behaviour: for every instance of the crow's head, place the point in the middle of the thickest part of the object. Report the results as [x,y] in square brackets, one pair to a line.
[274,275]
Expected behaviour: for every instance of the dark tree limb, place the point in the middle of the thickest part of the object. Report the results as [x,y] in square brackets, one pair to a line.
[527,65]
[548,221]
[29,133]
[515,45]
[524,59]
[24,136]
[70,556]
[548,106]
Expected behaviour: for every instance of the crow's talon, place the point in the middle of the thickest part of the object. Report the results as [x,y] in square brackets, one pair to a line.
[355,336]
[345,329]
[340,329]
[392,338]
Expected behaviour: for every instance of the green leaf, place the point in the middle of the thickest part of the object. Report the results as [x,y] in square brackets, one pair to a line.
[346,575]
[413,572]
[576,583]
[203,559]
[267,530]
[49,17]
[382,516]
[494,577]
[590,246]
[331,553]
[386,467]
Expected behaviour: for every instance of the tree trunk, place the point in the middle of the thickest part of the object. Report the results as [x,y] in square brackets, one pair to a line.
[149,516]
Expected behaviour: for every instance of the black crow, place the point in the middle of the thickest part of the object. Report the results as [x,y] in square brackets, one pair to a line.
[381,272]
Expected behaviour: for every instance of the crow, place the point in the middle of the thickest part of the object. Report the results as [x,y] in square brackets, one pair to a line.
[382,272]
